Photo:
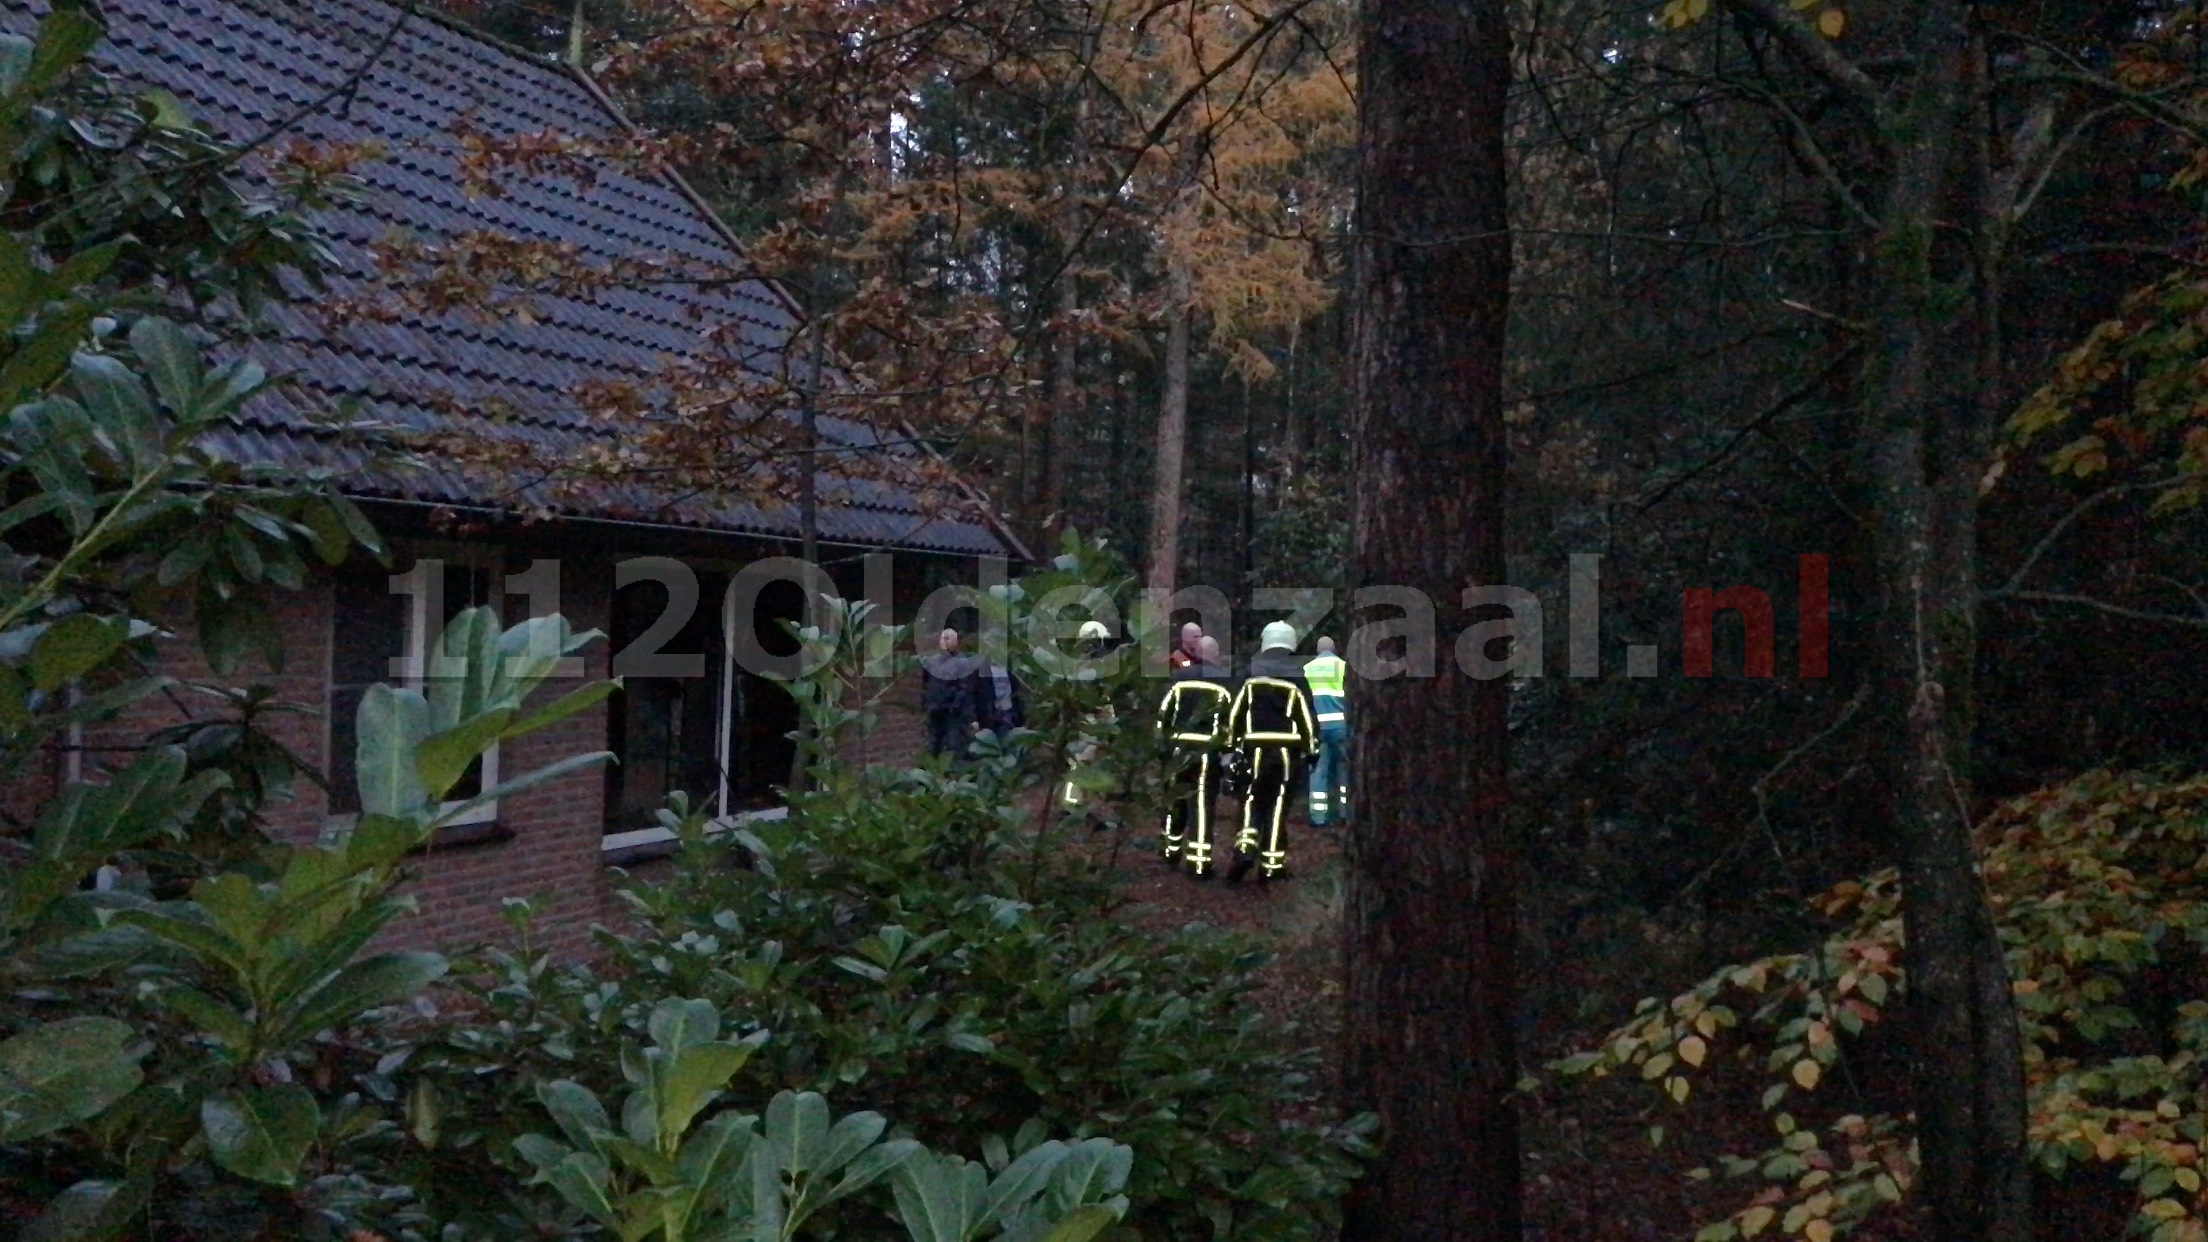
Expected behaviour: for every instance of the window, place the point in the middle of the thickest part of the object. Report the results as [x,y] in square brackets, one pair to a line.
[716,732]
[380,632]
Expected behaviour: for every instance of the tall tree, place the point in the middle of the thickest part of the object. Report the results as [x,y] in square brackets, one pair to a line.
[1431,921]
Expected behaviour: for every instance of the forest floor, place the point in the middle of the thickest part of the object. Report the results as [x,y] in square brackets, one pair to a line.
[1592,1173]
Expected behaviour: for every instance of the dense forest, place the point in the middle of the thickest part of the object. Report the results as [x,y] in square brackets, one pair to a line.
[1882,918]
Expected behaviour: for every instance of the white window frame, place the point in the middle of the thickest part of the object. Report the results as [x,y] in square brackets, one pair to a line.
[425,599]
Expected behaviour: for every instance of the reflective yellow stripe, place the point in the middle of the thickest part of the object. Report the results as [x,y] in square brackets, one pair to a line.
[1272,737]
[1328,717]
[1195,737]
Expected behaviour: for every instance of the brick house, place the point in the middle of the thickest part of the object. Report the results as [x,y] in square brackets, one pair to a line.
[623,560]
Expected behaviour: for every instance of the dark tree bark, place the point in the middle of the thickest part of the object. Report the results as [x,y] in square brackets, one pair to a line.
[1169,484]
[1927,421]
[1431,922]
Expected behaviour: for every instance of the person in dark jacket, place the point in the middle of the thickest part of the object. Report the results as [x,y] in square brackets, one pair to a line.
[1271,727]
[955,694]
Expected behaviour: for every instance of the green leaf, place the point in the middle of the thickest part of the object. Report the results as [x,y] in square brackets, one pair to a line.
[64,1073]
[261,1133]
[582,1178]
[119,407]
[63,39]
[870,1167]
[203,942]
[577,1112]
[389,724]
[677,1023]
[362,986]
[212,1017]
[693,1078]
[561,708]
[164,111]
[93,1211]
[39,361]
[530,780]
[1022,1181]
[443,758]
[170,359]
[1084,1224]
[74,646]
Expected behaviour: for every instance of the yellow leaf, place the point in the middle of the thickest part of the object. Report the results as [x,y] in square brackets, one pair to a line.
[1831,22]
[1697,10]
[1692,1050]
[1807,1073]
[2187,1179]
[1818,1231]
[1678,1088]
[1755,1220]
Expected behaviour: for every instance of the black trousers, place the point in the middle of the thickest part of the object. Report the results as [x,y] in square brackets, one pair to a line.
[1188,820]
[1274,773]
[947,733]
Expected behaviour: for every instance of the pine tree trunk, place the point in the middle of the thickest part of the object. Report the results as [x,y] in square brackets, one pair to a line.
[1065,406]
[1923,416]
[1430,927]
[1165,498]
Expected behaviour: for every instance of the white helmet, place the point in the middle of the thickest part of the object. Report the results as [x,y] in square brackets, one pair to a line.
[1095,631]
[1278,634]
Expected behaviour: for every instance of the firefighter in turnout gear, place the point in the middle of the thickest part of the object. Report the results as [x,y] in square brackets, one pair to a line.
[1327,675]
[1271,726]
[1093,641]
[1193,718]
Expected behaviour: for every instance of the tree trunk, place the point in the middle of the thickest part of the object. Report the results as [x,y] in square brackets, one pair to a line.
[1967,1071]
[1065,405]
[1430,924]
[1165,498]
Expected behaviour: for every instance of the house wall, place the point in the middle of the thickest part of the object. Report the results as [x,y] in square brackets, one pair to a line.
[554,847]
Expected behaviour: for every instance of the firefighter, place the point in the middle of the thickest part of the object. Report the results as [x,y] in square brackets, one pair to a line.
[1193,718]
[1270,726]
[1094,641]
[1327,676]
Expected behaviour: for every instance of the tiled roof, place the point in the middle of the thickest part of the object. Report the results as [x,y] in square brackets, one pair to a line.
[242,65]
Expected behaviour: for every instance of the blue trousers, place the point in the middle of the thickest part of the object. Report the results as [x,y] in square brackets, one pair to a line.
[1330,775]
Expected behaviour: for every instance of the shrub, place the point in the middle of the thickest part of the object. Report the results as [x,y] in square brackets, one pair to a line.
[2103,907]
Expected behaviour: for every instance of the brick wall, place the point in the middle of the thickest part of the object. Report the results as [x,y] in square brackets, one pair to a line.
[554,851]
[556,827]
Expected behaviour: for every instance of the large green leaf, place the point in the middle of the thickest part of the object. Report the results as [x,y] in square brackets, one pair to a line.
[526,781]
[938,1197]
[171,361]
[1021,1181]
[693,1078]
[561,708]
[64,1073]
[389,724]
[364,985]
[118,405]
[1082,1225]
[74,646]
[63,38]
[582,1178]
[577,1111]
[443,758]
[93,1211]
[261,1133]
[677,1023]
